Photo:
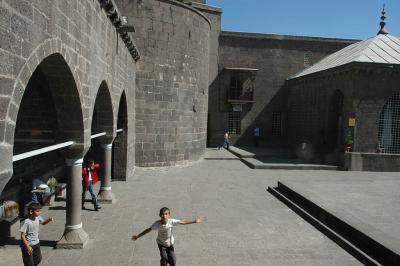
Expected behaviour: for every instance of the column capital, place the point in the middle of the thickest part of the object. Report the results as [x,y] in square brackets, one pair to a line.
[74,162]
[106,146]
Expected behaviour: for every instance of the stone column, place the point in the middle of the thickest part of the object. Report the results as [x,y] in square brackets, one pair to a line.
[74,236]
[105,194]
[5,226]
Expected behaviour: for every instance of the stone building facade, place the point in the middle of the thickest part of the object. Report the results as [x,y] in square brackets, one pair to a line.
[172,81]
[264,62]
[66,74]
[350,101]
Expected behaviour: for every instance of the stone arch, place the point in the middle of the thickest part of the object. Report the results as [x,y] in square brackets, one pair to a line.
[389,126]
[51,52]
[120,144]
[102,121]
[47,48]
[51,85]
[102,112]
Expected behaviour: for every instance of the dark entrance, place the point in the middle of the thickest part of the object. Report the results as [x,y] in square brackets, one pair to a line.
[334,133]
[119,152]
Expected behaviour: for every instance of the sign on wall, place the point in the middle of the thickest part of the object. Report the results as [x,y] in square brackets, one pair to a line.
[352,122]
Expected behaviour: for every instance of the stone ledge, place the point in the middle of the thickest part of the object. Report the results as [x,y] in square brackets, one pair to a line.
[113,14]
[187,6]
[206,8]
[284,37]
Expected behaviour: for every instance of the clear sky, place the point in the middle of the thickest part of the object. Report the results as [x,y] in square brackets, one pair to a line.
[353,19]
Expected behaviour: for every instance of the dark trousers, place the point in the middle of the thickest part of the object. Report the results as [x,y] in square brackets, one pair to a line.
[167,255]
[226,142]
[34,259]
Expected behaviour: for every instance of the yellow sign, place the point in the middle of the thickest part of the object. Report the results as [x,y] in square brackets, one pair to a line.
[352,122]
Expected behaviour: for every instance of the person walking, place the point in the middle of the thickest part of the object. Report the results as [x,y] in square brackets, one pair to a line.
[89,179]
[226,141]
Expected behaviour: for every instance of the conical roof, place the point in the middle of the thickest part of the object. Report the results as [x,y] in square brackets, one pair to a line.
[381,49]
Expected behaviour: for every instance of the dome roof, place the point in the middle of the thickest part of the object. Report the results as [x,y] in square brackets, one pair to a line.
[381,49]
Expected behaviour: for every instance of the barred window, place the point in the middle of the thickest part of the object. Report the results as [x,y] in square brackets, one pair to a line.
[277,124]
[389,126]
[234,122]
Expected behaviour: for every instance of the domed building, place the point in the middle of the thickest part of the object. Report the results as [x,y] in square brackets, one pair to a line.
[349,101]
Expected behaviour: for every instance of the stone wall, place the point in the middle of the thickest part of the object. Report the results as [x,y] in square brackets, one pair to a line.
[172,81]
[78,48]
[313,116]
[374,162]
[374,85]
[214,16]
[276,57]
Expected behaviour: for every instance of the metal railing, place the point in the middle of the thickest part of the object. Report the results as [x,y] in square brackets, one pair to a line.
[58,146]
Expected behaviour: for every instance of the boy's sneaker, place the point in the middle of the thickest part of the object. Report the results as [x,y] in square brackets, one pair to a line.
[97,208]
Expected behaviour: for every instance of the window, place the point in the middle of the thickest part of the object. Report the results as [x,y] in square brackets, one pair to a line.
[239,84]
[389,126]
[234,122]
[277,124]
[235,88]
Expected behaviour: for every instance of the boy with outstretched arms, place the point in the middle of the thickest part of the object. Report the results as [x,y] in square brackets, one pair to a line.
[165,239]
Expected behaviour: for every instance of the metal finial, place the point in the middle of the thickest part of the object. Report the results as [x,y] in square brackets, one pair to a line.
[383,23]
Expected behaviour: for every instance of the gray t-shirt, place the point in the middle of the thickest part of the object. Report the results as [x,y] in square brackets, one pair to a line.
[31,229]
[165,237]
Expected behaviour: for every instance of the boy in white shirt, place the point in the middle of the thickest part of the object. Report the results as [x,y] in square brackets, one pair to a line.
[165,239]
[30,244]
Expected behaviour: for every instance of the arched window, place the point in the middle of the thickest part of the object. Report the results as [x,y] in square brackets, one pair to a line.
[389,126]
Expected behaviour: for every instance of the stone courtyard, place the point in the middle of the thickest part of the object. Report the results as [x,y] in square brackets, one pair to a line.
[152,83]
[245,225]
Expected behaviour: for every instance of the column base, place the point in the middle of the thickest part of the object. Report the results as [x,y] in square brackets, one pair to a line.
[106,196]
[73,239]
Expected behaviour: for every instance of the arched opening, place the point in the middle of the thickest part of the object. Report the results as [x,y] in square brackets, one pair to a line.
[119,153]
[102,119]
[102,123]
[389,126]
[48,114]
[102,132]
[334,129]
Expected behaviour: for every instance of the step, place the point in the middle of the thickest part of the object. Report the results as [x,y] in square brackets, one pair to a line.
[241,153]
[380,248]
[256,164]
[265,152]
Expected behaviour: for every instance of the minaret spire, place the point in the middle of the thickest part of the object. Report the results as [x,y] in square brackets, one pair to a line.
[383,23]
